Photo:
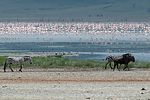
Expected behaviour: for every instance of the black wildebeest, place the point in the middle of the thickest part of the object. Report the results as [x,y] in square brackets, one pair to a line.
[125,59]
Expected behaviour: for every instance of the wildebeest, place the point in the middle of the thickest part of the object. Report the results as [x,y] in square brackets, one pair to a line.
[16,60]
[125,59]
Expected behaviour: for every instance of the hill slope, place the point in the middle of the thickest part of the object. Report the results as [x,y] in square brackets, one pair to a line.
[75,10]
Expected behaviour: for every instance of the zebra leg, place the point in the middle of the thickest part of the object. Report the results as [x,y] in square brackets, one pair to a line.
[5,68]
[106,65]
[5,65]
[20,68]
[114,66]
[118,67]
[110,65]
[10,68]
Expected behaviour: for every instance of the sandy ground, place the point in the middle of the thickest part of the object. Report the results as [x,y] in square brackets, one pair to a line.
[62,84]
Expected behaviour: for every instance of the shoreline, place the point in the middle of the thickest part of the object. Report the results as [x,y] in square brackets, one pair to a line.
[76,55]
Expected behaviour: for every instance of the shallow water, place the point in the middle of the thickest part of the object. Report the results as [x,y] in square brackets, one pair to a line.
[90,51]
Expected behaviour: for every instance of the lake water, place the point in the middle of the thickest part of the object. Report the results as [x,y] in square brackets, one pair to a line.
[86,51]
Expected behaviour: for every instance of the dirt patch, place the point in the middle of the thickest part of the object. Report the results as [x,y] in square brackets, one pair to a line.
[72,85]
[73,75]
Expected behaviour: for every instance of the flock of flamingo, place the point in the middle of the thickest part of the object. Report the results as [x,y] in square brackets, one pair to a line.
[118,29]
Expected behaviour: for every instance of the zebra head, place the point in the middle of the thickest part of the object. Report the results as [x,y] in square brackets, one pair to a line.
[28,58]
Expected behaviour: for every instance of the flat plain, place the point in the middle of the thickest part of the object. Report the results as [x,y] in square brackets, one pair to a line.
[75,84]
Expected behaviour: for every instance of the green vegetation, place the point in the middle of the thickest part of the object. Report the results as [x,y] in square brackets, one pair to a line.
[2,60]
[60,62]
[140,64]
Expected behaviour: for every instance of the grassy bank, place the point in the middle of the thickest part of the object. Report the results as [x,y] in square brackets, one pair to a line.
[58,62]
[53,62]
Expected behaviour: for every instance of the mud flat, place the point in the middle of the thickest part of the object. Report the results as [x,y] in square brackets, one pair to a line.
[55,84]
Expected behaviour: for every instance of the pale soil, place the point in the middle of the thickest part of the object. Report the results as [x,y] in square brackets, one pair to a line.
[63,84]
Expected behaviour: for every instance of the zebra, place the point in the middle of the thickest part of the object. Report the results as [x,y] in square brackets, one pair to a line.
[109,59]
[16,60]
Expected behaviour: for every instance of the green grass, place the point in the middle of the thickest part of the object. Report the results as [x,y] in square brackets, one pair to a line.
[60,62]
[140,64]
[2,60]
[56,62]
